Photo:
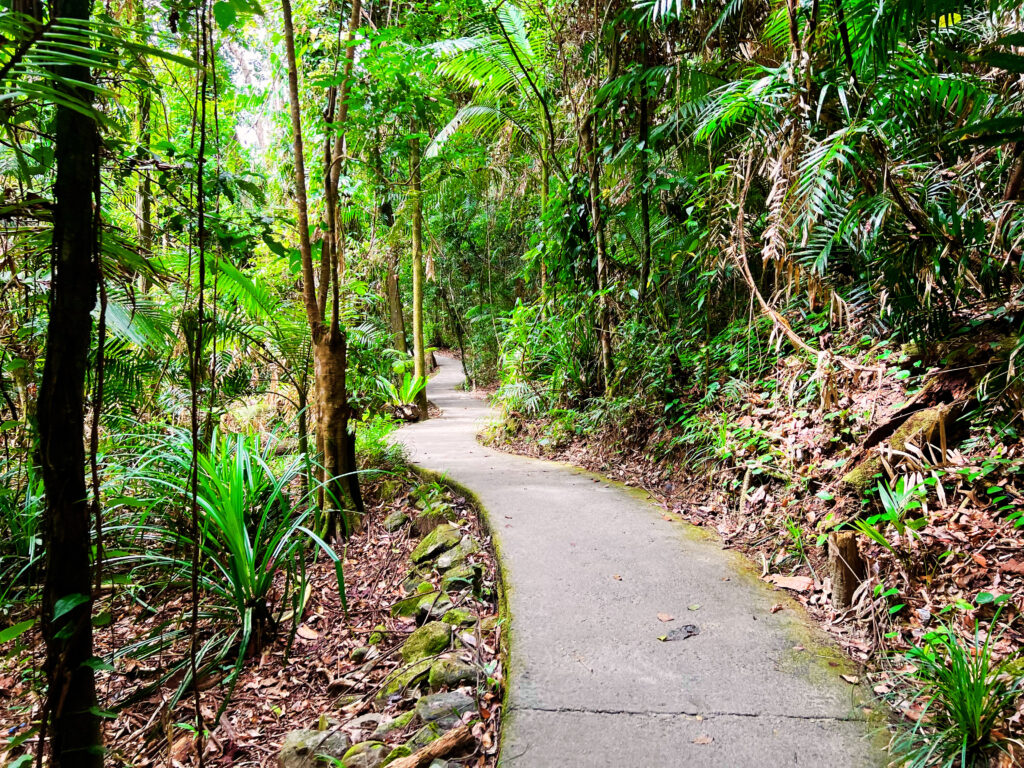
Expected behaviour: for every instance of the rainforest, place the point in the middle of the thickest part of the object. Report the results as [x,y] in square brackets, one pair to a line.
[437,383]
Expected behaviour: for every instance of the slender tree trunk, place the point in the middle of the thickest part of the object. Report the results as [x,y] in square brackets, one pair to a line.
[645,185]
[394,295]
[144,193]
[74,723]
[391,260]
[329,348]
[303,427]
[417,271]
[597,217]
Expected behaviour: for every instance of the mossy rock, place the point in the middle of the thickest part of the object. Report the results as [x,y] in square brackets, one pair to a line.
[399,751]
[378,635]
[404,678]
[395,520]
[394,724]
[439,540]
[301,748]
[452,558]
[428,733]
[462,577]
[432,607]
[450,673]
[409,606]
[445,709]
[415,580]
[390,489]
[459,617]
[429,640]
[365,754]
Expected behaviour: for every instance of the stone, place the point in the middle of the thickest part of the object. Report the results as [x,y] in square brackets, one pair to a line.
[450,673]
[391,724]
[395,520]
[429,640]
[400,751]
[445,709]
[404,678]
[408,606]
[461,577]
[469,546]
[364,724]
[439,540]
[365,754]
[390,488]
[417,581]
[459,617]
[428,733]
[300,748]
[432,607]
[450,559]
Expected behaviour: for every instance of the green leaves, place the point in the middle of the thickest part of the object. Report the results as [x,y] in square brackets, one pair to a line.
[16,630]
[68,603]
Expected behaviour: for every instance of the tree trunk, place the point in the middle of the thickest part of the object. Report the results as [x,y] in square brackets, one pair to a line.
[74,723]
[303,427]
[342,486]
[417,271]
[597,217]
[645,186]
[329,343]
[395,298]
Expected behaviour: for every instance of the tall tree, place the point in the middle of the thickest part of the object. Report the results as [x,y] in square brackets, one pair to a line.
[329,340]
[416,200]
[71,706]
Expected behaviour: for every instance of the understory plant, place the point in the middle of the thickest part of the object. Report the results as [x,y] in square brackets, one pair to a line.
[966,695]
[21,546]
[252,538]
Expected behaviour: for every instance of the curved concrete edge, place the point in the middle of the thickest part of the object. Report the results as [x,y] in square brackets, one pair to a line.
[504,614]
[820,656]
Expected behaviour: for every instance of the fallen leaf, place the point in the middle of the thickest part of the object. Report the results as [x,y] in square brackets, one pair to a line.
[684,632]
[617,577]
[694,607]
[980,560]
[1012,566]
[795,583]
[851,679]
[307,633]
[703,739]
[666,617]
[777,607]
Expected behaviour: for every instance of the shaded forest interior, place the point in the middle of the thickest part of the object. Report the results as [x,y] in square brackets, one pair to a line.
[761,258]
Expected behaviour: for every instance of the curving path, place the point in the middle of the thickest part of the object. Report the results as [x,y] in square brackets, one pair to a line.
[587,568]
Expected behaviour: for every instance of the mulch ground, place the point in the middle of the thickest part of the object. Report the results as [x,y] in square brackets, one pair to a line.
[314,682]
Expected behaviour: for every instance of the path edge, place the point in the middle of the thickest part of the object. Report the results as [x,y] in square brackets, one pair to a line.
[504,614]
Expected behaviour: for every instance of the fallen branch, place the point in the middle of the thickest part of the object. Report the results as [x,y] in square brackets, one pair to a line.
[455,738]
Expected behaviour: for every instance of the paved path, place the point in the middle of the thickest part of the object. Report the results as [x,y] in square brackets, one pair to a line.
[587,568]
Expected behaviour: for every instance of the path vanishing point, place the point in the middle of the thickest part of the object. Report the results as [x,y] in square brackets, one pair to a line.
[587,567]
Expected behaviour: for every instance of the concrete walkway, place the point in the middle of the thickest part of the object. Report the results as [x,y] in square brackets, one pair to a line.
[587,567]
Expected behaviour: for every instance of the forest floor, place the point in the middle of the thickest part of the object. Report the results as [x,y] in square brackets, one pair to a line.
[339,674]
[633,639]
[966,555]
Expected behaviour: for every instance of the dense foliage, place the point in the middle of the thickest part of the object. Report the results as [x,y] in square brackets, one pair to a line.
[625,216]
